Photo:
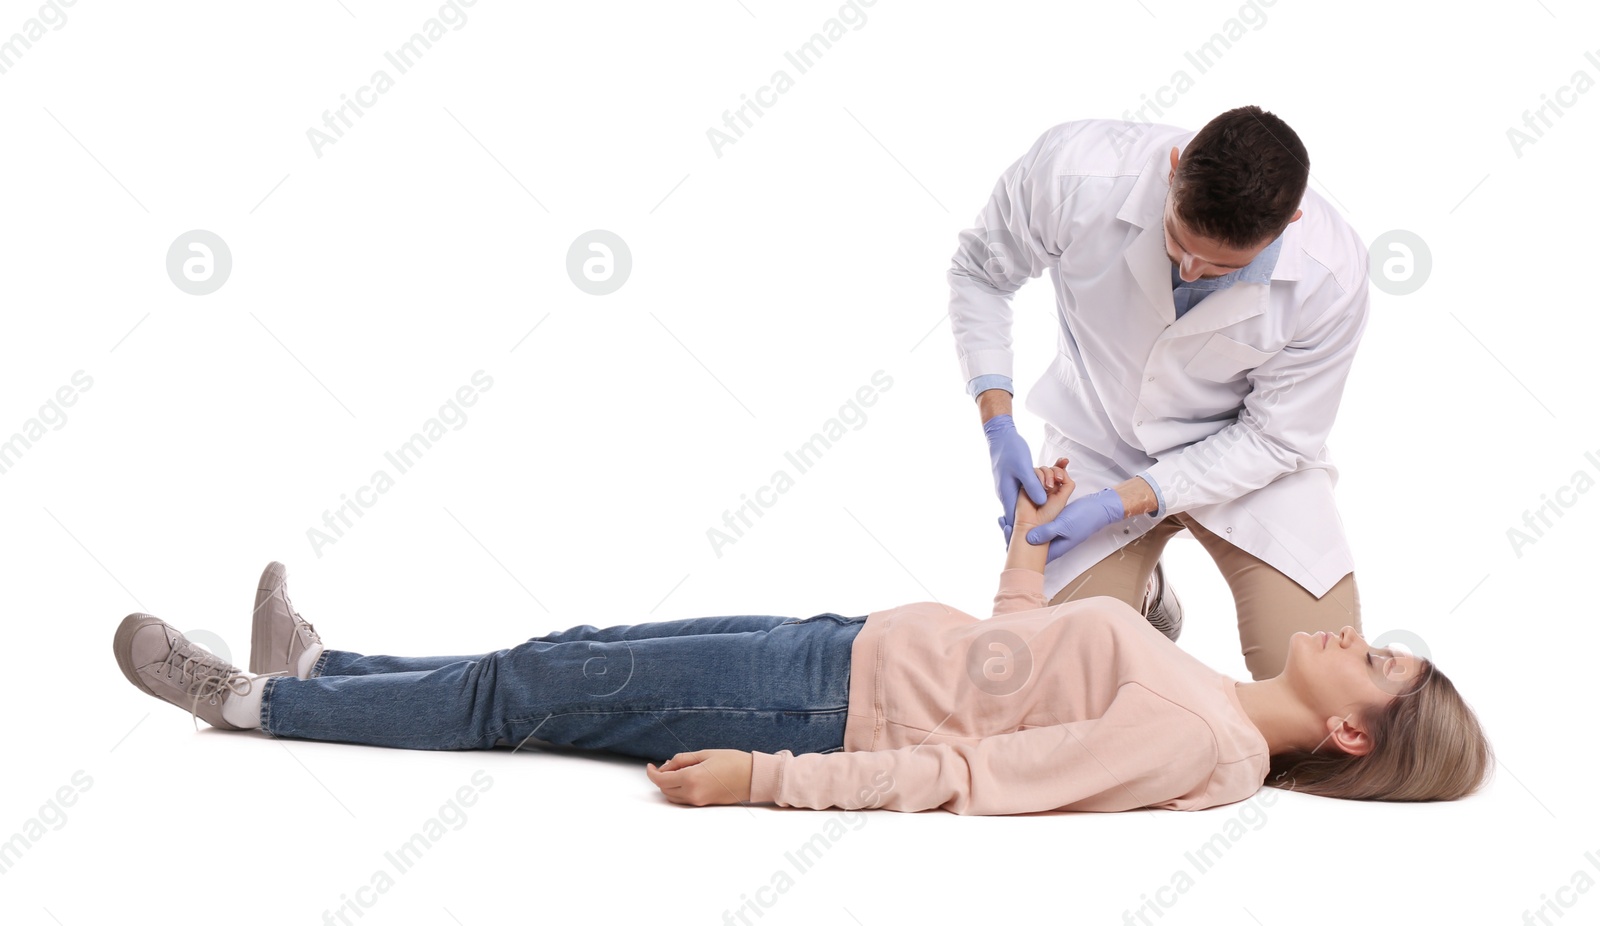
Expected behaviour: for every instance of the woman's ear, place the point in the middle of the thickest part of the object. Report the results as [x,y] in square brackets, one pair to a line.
[1347,737]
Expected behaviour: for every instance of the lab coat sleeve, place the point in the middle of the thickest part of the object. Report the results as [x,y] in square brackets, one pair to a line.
[1291,406]
[1016,236]
[1144,751]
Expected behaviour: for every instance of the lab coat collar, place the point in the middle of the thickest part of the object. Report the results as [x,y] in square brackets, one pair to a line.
[1146,255]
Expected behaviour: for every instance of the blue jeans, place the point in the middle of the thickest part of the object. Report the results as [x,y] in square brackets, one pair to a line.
[647,690]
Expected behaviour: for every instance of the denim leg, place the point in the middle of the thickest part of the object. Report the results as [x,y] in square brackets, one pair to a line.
[347,662]
[335,662]
[784,685]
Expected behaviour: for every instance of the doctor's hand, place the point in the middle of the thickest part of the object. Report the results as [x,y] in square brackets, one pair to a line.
[1012,462]
[1078,520]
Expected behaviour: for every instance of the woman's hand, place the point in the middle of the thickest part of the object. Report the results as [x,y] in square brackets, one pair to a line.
[709,776]
[1057,484]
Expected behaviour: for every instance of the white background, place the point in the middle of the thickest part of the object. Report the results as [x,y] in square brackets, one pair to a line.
[767,286]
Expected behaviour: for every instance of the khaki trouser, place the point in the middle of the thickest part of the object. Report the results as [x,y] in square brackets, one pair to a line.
[1270,605]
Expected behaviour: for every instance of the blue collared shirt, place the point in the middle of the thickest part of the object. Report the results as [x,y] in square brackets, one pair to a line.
[1185,296]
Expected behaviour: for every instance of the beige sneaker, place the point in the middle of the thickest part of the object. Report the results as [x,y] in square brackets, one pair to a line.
[278,634]
[162,663]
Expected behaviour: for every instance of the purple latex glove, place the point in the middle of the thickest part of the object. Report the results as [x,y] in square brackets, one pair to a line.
[1013,466]
[1058,546]
[1078,520]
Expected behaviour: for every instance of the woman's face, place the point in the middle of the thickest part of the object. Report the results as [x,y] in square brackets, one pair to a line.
[1339,675]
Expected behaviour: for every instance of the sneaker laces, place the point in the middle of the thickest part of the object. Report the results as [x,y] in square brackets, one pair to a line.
[204,675]
[301,625]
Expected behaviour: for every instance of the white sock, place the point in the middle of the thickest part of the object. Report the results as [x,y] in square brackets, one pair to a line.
[244,710]
[308,660]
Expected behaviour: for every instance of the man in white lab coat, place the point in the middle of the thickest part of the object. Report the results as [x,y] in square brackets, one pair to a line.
[1209,307]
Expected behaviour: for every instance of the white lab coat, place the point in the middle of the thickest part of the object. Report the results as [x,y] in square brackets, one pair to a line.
[1228,407]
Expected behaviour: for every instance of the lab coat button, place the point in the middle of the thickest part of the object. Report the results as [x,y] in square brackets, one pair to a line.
[1150,379]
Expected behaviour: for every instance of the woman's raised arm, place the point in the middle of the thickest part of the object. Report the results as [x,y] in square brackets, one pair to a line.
[1024,555]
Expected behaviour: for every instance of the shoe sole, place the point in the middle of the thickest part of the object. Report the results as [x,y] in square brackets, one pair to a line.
[1164,621]
[122,647]
[271,582]
[1174,617]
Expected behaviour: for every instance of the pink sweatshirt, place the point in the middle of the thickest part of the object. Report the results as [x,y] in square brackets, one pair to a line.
[1083,706]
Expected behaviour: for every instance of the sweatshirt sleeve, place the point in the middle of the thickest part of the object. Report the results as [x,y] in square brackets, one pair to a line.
[1144,751]
[1020,590]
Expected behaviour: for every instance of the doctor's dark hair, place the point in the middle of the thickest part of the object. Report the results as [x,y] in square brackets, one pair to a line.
[1241,177]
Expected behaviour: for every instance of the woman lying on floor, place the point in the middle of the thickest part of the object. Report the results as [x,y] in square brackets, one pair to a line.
[1083,706]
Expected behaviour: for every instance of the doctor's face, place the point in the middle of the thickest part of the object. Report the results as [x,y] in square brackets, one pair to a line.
[1197,257]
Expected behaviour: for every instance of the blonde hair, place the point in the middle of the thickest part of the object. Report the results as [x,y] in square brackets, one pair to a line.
[1427,745]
